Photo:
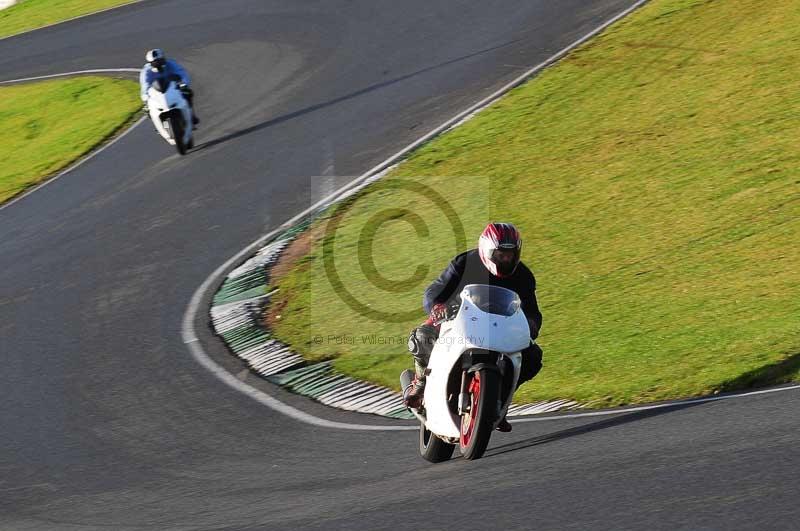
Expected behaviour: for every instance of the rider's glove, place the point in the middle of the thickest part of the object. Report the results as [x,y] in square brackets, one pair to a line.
[438,312]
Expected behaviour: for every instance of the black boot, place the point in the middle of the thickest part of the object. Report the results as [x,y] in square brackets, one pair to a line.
[504,426]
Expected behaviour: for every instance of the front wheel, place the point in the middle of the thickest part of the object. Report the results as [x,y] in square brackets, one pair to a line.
[176,128]
[477,424]
[432,448]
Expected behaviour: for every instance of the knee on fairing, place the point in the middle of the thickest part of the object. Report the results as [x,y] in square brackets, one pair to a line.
[531,363]
[420,343]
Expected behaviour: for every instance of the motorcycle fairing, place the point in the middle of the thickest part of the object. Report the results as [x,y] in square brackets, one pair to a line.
[471,330]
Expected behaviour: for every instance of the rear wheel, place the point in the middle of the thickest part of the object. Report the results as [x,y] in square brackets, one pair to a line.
[477,424]
[176,127]
[432,448]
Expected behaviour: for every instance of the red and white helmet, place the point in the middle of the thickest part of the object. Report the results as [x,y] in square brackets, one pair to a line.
[500,247]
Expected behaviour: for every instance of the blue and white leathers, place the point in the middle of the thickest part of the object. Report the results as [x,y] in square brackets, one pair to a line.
[171,115]
[171,69]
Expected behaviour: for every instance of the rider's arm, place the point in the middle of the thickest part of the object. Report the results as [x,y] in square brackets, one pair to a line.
[144,83]
[179,71]
[443,287]
[530,305]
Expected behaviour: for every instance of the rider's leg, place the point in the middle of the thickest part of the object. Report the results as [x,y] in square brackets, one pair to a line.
[420,344]
[531,365]
[188,93]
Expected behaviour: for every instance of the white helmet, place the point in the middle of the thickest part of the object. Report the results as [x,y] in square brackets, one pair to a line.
[156,58]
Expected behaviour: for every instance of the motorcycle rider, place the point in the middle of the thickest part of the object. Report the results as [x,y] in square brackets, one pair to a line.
[496,262]
[159,67]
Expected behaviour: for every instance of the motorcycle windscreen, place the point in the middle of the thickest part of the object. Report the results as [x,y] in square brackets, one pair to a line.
[492,299]
[160,85]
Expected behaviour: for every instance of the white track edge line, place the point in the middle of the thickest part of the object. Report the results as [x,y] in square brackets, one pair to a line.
[88,157]
[82,161]
[71,19]
[675,403]
[275,404]
[187,328]
[75,73]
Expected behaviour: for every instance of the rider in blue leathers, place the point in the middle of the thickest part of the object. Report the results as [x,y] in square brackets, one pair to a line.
[158,66]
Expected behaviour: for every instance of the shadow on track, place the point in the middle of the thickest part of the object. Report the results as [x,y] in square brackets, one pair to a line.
[777,373]
[377,86]
[586,428]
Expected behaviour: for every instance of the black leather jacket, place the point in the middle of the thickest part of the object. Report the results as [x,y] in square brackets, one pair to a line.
[467,268]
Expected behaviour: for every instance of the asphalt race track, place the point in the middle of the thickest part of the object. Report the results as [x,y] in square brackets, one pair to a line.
[108,422]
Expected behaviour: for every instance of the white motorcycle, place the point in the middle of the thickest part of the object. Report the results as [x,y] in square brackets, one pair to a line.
[171,114]
[472,373]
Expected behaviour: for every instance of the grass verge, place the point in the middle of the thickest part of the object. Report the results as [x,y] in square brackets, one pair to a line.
[26,15]
[46,126]
[655,175]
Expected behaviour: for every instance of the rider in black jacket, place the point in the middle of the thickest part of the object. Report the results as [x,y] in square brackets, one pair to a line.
[496,262]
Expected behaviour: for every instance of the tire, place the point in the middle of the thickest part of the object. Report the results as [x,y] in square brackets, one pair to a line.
[432,448]
[176,125]
[477,425]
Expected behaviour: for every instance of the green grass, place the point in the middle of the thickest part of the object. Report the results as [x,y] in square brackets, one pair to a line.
[48,125]
[655,175]
[31,14]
